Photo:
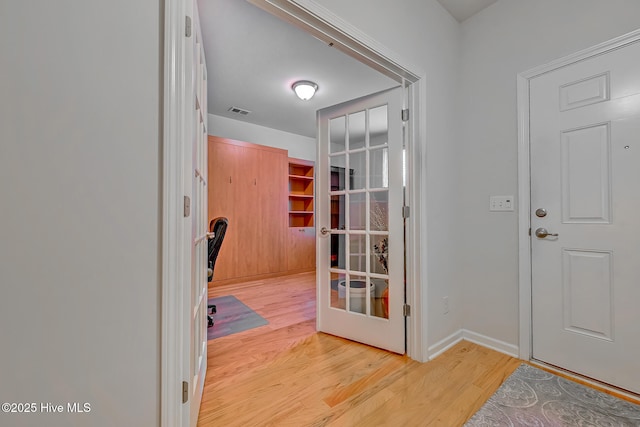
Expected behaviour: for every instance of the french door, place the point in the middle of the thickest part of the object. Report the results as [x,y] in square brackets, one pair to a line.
[195,293]
[360,247]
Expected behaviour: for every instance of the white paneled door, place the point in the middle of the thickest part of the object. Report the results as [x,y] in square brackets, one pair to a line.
[359,220]
[585,221]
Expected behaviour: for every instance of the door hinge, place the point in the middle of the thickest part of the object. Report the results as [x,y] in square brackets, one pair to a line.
[187,26]
[406,310]
[529,231]
[405,115]
[405,212]
[187,206]
[185,391]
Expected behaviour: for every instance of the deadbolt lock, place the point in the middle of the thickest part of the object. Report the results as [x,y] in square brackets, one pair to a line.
[541,212]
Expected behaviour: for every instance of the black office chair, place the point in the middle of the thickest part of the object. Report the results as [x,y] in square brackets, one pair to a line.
[219,227]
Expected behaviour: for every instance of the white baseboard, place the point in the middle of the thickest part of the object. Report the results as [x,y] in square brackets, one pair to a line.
[463,334]
[445,344]
[492,343]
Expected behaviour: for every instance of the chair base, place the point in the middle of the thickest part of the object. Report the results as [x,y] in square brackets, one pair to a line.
[209,318]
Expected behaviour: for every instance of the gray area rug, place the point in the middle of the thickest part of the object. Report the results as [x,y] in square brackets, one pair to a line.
[232,316]
[533,397]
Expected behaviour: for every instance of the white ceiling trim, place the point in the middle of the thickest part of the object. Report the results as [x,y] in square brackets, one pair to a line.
[330,28]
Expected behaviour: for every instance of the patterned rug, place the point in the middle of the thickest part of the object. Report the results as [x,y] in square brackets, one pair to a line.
[231,317]
[533,397]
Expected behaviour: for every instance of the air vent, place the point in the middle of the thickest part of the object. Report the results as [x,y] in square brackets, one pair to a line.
[236,110]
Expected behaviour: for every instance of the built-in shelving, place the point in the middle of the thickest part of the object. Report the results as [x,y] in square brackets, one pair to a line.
[301,188]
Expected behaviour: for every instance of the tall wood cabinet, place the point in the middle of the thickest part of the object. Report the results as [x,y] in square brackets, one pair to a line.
[247,184]
[250,184]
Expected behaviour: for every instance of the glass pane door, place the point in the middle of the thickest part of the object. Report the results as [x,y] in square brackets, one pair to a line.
[359,195]
[361,287]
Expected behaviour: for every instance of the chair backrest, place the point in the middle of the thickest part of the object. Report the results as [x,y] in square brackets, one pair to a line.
[219,227]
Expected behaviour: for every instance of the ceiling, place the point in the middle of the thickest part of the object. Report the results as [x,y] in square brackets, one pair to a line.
[463,9]
[253,58]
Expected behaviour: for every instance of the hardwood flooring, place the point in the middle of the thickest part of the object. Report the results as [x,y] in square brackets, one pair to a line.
[286,374]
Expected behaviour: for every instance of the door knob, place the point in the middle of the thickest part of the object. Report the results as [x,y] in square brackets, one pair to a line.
[541,233]
[324,231]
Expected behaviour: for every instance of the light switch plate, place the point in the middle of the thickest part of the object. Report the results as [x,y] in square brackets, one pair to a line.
[501,203]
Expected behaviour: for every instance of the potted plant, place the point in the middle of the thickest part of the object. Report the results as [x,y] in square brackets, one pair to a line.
[379,220]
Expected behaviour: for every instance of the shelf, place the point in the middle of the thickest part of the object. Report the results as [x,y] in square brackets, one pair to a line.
[301,187]
[298,187]
[301,177]
[301,204]
[300,170]
[300,219]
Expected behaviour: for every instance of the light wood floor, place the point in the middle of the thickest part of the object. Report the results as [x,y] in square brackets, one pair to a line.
[286,374]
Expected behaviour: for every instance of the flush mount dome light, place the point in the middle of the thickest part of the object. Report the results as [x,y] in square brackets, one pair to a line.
[304,89]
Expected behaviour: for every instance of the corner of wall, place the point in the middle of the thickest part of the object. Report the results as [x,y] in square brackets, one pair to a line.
[463,334]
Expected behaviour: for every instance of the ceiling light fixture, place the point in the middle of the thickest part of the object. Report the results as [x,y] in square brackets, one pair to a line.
[304,89]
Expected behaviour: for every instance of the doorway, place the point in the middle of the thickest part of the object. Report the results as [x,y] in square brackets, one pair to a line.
[319,24]
[577,119]
[173,383]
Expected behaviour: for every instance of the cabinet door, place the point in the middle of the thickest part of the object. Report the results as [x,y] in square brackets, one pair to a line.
[271,212]
[222,191]
[302,248]
[247,218]
[248,185]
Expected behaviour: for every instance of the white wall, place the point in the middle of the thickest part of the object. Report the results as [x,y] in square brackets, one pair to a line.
[300,147]
[80,118]
[509,37]
[423,33]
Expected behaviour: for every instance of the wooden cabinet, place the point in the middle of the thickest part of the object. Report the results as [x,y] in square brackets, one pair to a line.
[271,213]
[247,184]
[301,248]
[269,201]
[222,194]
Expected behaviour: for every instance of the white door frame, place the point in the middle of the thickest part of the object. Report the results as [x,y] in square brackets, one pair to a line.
[330,28]
[524,177]
[175,136]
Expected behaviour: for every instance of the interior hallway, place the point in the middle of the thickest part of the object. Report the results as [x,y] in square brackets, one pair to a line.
[286,374]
